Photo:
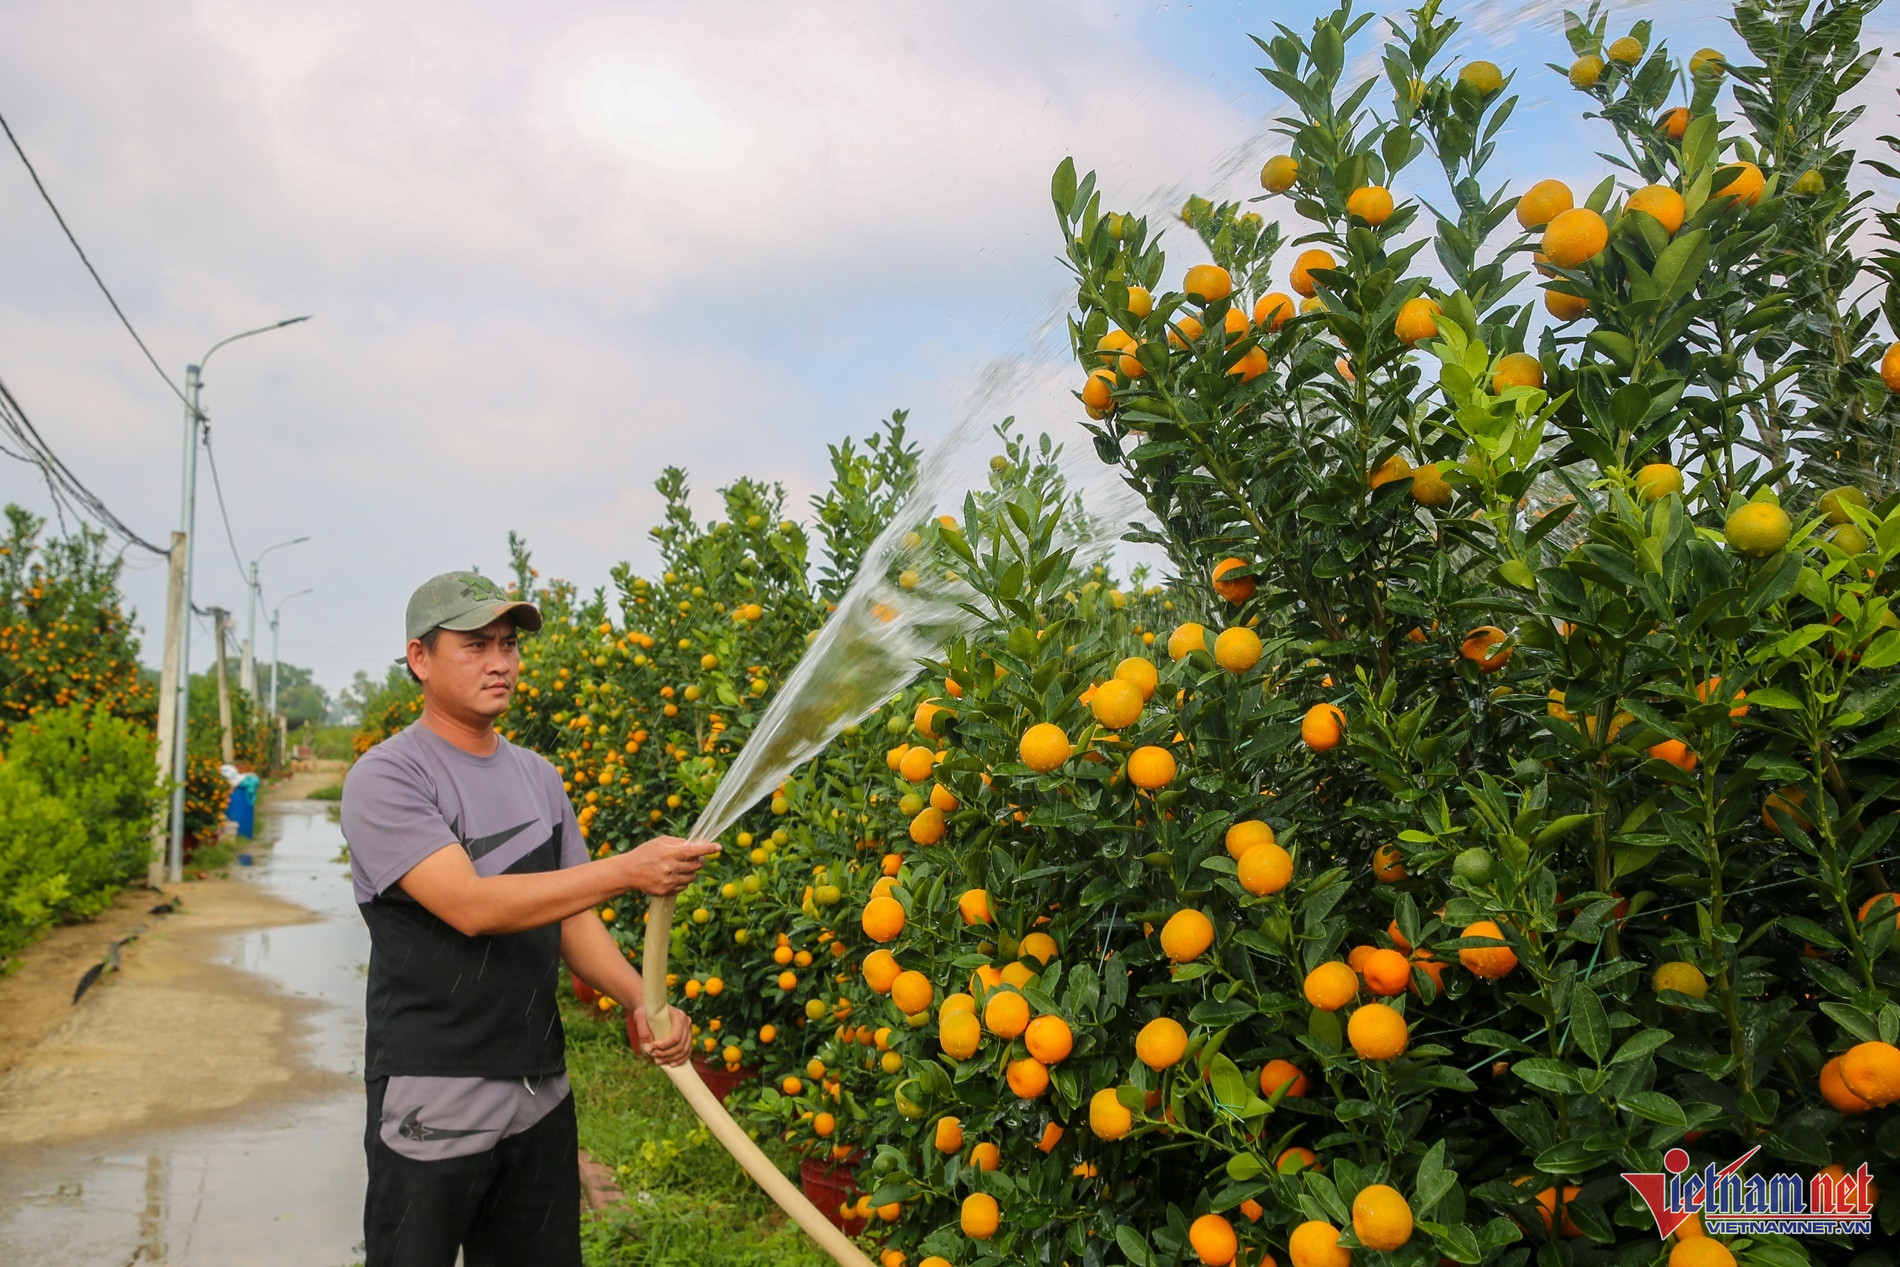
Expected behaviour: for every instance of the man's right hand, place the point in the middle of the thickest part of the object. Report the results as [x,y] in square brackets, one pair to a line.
[666,864]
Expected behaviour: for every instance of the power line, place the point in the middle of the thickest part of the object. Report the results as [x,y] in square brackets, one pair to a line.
[217,485]
[65,488]
[123,319]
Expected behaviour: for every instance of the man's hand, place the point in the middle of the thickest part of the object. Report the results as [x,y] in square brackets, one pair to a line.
[666,864]
[679,1037]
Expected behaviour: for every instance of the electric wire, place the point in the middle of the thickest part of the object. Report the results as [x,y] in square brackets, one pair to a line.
[217,485]
[54,208]
[66,489]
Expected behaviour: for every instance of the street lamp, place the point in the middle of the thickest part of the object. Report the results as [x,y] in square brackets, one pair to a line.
[187,515]
[275,612]
[247,674]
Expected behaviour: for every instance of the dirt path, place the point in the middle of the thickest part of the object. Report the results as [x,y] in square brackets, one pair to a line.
[304,778]
[203,1105]
[175,1034]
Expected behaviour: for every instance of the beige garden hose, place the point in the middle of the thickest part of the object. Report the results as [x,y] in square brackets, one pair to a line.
[713,1113]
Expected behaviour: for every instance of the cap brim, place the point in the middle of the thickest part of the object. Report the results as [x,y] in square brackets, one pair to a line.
[525,615]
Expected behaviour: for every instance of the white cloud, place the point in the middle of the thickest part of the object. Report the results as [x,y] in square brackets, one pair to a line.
[552,249]
[549,250]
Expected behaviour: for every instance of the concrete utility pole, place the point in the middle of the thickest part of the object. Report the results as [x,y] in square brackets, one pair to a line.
[226,747]
[181,677]
[247,675]
[181,707]
[276,613]
[168,697]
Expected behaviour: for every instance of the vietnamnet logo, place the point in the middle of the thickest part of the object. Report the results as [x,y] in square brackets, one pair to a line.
[1732,1204]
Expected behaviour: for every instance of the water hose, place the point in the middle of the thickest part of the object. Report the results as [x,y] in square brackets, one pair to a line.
[713,1113]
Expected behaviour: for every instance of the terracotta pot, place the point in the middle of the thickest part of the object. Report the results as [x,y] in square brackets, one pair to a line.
[832,1186]
[718,1079]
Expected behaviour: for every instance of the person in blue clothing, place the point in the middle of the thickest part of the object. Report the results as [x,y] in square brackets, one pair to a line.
[241,806]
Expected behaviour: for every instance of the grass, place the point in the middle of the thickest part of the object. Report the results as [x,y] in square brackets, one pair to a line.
[330,743]
[219,855]
[332,793]
[688,1202]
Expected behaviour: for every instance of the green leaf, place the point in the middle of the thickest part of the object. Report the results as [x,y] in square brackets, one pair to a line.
[1230,1086]
[1589,1023]
[892,1190]
[1641,1044]
[1809,931]
[1628,858]
[1884,653]
[1775,697]
[1496,1040]
[1616,346]
[1321,1189]
[1698,143]
[1548,1075]
[1444,1077]
[1793,643]
[1458,1243]
[1062,187]
[1854,1021]
[1325,1027]
[1570,1157]
[1681,264]
[1654,1106]
[1133,1246]
[1560,827]
[1433,1181]
[1515,573]
[1244,1166]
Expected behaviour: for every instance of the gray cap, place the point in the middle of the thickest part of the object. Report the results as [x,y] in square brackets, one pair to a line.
[464,601]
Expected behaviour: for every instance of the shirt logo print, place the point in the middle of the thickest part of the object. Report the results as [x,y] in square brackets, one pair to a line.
[480,845]
[411,1128]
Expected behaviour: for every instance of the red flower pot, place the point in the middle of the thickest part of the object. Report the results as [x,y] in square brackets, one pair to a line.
[831,1186]
[721,1081]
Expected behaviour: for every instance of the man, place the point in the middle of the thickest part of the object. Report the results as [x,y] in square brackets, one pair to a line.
[472,875]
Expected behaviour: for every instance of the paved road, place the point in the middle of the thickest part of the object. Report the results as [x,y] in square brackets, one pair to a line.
[274,1180]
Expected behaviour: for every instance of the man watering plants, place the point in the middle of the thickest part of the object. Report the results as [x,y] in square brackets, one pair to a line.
[472,875]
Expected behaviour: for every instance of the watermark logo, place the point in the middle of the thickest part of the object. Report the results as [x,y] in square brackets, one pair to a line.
[1734,1204]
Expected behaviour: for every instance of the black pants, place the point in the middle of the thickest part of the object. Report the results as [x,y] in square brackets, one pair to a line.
[516,1205]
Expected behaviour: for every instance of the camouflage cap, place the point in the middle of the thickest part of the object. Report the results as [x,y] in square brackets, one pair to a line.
[464,601]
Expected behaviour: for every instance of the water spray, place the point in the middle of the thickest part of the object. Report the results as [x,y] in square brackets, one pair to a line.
[906,603]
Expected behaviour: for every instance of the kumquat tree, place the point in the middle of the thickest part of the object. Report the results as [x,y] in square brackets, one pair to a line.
[1498,798]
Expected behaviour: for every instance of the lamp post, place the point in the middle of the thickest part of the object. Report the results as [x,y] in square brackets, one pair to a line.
[275,613]
[181,720]
[247,674]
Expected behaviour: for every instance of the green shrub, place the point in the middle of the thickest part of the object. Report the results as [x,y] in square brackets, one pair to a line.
[77,796]
[36,832]
[332,743]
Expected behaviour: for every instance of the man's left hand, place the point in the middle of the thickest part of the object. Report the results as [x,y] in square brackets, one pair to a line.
[674,1049]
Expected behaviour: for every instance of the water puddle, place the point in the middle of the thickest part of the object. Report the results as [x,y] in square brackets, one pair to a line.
[279,1185]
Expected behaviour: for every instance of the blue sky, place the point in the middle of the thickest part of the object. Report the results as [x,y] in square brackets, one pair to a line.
[550,254]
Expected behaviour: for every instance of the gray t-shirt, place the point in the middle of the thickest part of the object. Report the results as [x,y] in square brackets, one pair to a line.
[443,1004]
[415,792]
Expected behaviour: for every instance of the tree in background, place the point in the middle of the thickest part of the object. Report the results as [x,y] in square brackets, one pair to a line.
[65,635]
[299,697]
[249,728]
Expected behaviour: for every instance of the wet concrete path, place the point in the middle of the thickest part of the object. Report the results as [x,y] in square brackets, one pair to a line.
[254,1154]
